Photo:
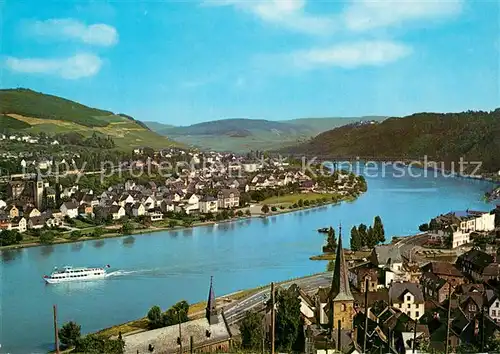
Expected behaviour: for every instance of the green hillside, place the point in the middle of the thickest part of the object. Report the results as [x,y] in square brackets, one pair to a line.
[475,136]
[157,127]
[242,135]
[36,112]
[319,125]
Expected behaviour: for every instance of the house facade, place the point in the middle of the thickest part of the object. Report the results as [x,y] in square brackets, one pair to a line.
[208,204]
[228,198]
[69,209]
[408,298]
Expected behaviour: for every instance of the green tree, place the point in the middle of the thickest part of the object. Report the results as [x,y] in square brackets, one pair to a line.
[424,227]
[433,225]
[172,224]
[265,209]
[331,241]
[356,243]
[371,239]
[239,213]
[363,236]
[47,237]
[98,344]
[248,213]
[300,203]
[10,237]
[98,232]
[378,230]
[251,330]
[287,319]
[178,312]
[75,235]
[155,317]
[69,333]
[274,209]
[127,228]
[448,239]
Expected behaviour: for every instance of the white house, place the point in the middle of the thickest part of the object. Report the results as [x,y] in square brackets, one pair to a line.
[69,209]
[156,215]
[125,199]
[208,204]
[138,209]
[408,298]
[228,198]
[150,203]
[18,224]
[117,212]
[2,204]
[494,306]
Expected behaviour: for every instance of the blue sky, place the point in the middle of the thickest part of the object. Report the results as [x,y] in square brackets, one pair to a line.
[183,62]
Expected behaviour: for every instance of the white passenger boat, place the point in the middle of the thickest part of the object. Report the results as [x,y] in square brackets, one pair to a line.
[68,274]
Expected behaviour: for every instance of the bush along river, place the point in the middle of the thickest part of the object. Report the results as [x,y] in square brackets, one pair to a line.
[164,267]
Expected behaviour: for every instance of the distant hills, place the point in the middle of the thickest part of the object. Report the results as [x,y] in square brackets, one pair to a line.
[34,112]
[242,135]
[475,136]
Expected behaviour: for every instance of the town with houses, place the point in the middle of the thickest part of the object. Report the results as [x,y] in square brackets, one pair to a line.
[207,186]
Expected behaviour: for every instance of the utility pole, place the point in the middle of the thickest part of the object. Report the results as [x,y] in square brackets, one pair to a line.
[56,333]
[415,337]
[180,331]
[482,329]
[366,315]
[273,318]
[447,346]
[339,335]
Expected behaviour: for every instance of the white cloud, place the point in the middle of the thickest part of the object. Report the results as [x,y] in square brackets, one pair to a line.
[74,67]
[358,15]
[363,15]
[97,34]
[289,14]
[350,55]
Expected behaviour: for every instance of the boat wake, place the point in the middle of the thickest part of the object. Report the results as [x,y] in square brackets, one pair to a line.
[118,273]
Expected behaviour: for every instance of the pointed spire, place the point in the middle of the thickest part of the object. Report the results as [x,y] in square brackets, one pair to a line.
[211,310]
[340,283]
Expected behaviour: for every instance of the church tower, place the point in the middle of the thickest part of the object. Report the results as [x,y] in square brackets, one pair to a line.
[341,301]
[38,193]
[211,310]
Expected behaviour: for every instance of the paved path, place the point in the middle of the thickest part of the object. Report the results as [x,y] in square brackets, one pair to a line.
[236,311]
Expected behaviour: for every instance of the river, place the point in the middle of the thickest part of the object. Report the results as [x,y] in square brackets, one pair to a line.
[165,267]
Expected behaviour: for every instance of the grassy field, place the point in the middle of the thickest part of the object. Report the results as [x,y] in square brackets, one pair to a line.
[348,256]
[194,311]
[126,133]
[294,198]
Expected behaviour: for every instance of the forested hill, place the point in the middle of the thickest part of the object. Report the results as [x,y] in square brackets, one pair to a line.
[475,136]
[35,112]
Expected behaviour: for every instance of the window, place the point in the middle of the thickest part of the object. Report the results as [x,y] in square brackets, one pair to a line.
[343,307]
[408,298]
[493,313]
[409,306]
[472,307]
[497,304]
[417,314]
[373,285]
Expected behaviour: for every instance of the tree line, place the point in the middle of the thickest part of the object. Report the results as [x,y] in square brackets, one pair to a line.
[363,236]
[289,332]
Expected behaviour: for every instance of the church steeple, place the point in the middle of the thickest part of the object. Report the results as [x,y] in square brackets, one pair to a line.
[340,284]
[211,310]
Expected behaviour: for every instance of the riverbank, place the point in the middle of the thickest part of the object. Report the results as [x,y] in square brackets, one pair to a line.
[256,213]
[197,310]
